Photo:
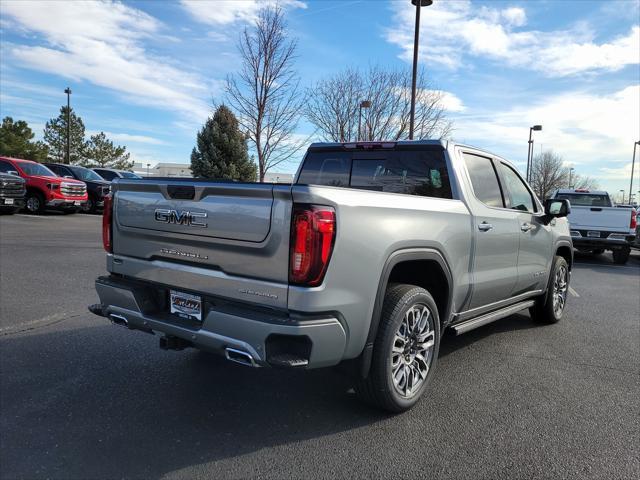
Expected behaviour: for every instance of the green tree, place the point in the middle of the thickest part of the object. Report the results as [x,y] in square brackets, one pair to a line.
[99,151]
[16,141]
[55,135]
[221,150]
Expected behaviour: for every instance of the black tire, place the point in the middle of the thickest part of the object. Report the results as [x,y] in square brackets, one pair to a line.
[598,251]
[546,310]
[621,256]
[379,388]
[89,206]
[34,203]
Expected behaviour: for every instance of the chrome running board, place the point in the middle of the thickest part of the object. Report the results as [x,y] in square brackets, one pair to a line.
[467,325]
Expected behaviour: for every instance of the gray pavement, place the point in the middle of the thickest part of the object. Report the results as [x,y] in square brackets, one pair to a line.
[80,398]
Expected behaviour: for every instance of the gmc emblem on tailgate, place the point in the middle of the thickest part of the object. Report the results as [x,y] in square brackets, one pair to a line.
[177,217]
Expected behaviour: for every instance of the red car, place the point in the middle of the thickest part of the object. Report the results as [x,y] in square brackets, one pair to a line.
[45,190]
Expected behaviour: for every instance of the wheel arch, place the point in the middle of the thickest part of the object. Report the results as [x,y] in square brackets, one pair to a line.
[411,266]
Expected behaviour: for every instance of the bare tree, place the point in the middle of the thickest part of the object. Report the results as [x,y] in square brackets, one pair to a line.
[266,93]
[334,106]
[549,173]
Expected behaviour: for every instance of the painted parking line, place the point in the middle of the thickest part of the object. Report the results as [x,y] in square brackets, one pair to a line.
[573,292]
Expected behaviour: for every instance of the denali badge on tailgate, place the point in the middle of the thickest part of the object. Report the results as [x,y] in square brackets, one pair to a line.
[180,217]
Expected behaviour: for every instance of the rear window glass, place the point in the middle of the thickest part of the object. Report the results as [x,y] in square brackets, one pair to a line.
[586,199]
[409,172]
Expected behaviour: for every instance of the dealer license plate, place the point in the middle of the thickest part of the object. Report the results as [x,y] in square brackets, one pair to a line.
[77,203]
[8,201]
[593,234]
[186,305]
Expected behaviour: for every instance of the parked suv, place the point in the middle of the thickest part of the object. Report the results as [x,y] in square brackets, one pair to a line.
[364,261]
[97,187]
[110,173]
[12,191]
[45,189]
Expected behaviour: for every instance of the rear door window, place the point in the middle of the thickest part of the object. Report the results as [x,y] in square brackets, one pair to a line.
[484,180]
[409,172]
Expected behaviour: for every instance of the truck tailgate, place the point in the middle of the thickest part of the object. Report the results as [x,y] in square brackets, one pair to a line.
[610,219]
[238,229]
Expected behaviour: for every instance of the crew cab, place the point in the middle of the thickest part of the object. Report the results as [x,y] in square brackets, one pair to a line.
[45,190]
[364,261]
[12,191]
[97,187]
[597,225]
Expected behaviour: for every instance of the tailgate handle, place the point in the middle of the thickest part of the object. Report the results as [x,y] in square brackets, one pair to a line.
[595,209]
[181,192]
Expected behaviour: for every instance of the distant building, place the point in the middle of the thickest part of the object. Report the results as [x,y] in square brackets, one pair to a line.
[274,177]
[184,170]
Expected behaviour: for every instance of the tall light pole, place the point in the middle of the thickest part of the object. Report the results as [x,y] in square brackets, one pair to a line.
[622,193]
[148,165]
[68,92]
[418,4]
[633,164]
[363,104]
[570,175]
[537,128]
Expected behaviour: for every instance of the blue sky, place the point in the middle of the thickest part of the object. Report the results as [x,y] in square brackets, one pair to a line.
[146,72]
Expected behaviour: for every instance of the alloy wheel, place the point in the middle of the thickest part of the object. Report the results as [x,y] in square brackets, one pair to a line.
[560,287]
[412,350]
[33,204]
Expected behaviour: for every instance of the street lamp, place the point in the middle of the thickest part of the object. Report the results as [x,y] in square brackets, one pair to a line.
[622,193]
[537,128]
[633,164]
[418,4]
[68,92]
[570,175]
[363,104]
[148,165]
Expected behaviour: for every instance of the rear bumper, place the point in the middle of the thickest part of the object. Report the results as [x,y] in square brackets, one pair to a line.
[225,324]
[605,243]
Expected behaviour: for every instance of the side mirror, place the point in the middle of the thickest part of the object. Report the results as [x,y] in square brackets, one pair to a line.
[13,172]
[556,208]
[68,176]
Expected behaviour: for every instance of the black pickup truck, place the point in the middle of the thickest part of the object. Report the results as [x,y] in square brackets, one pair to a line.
[12,191]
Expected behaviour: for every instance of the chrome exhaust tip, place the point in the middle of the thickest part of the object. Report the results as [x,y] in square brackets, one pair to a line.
[240,356]
[119,320]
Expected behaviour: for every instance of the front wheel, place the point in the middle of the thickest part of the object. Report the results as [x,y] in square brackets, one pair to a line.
[621,256]
[89,206]
[550,307]
[405,350]
[34,203]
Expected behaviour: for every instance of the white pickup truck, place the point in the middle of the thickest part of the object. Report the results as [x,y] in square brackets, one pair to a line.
[596,225]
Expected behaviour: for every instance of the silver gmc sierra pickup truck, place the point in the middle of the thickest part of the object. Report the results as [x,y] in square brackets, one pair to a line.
[364,261]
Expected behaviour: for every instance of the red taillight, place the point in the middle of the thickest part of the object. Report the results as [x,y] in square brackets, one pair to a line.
[634,221]
[313,230]
[107,214]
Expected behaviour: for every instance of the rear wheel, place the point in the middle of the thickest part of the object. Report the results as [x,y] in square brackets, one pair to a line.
[550,307]
[621,256]
[405,350]
[34,202]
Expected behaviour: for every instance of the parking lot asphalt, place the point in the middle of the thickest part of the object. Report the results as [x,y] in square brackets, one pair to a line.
[80,398]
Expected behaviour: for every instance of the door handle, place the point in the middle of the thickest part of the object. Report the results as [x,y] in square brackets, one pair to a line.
[485,227]
[525,227]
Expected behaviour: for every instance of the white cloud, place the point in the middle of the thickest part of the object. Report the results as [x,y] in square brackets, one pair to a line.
[102,42]
[451,102]
[128,138]
[497,34]
[222,12]
[592,132]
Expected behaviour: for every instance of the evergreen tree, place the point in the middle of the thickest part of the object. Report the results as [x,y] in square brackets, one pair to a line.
[16,141]
[99,151]
[221,150]
[55,135]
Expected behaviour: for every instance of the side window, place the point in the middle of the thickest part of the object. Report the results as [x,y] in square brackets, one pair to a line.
[484,180]
[106,174]
[55,169]
[519,194]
